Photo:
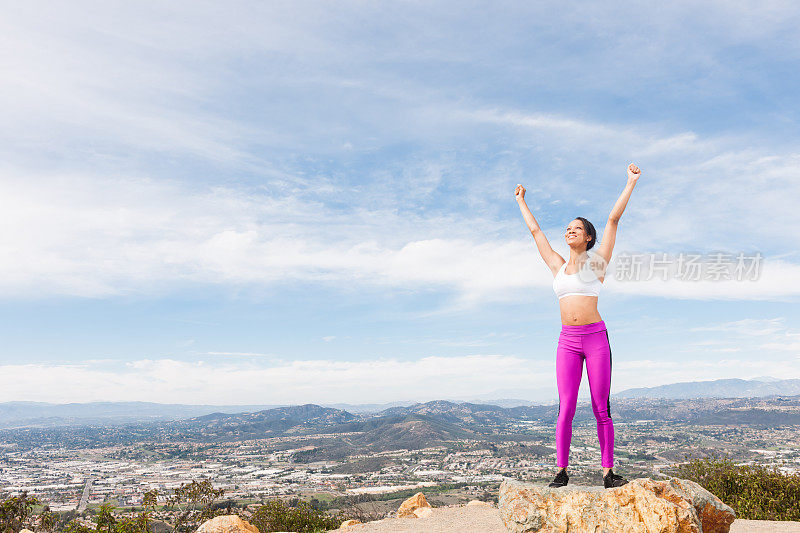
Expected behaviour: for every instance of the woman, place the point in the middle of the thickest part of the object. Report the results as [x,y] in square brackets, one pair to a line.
[577,284]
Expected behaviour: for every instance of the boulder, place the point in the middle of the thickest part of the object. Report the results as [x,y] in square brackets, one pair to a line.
[642,506]
[229,523]
[714,515]
[413,503]
[348,523]
[423,512]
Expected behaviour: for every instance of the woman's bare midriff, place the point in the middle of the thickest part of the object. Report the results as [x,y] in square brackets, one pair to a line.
[577,310]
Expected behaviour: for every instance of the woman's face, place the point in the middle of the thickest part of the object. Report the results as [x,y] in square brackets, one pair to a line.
[575,234]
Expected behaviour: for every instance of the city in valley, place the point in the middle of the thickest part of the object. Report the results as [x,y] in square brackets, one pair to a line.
[460,451]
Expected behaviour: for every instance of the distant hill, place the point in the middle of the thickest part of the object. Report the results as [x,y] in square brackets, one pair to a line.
[719,388]
[333,434]
[394,428]
[465,414]
[41,414]
[367,407]
[411,432]
[269,422]
[239,421]
[416,425]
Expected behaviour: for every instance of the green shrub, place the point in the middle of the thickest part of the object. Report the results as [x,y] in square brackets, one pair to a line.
[190,505]
[16,513]
[754,492]
[277,515]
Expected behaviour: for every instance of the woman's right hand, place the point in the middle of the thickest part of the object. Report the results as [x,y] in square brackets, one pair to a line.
[519,192]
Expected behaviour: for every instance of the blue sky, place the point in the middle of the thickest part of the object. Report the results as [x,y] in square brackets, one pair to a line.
[314,202]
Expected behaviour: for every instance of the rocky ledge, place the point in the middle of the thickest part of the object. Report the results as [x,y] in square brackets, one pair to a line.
[642,506]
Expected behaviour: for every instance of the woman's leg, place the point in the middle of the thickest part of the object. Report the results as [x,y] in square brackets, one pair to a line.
[569,368]
[597,349]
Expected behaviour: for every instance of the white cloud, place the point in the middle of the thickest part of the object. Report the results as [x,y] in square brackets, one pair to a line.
[242,354]
[327,381]
[111,93]
[784,345]
[127,96]
[748,326]
[101,237]
[150,147]
[301,381]
[696,192]
[651,373]
[779,338]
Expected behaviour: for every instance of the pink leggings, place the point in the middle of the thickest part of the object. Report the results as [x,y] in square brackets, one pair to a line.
[576,343]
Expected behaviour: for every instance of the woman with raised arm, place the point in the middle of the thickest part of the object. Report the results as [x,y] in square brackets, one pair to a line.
[577,284]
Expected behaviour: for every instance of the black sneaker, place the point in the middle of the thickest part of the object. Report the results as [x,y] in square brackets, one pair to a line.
[561,479]
[612,480]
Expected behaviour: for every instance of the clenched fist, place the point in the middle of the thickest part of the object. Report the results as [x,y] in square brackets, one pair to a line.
[633,173]
[519,192]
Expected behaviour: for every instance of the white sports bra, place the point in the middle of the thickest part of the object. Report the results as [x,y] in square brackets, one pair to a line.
[583,282]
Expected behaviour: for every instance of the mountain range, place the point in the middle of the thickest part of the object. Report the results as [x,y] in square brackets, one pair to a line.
[334,433]
[719,388]
[39,414]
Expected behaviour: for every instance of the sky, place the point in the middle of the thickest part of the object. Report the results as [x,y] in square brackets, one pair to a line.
[313,202]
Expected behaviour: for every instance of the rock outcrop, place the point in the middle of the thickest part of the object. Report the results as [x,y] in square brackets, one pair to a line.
[227,524]
[416,505]
[642,506]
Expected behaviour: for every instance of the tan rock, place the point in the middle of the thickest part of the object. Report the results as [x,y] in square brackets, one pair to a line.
[642,506]
[351,522]
[408,507]
[479,502]
[227,524]
[714,515]
[423,512]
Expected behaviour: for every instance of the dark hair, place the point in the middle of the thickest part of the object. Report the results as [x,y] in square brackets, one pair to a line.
[588,228]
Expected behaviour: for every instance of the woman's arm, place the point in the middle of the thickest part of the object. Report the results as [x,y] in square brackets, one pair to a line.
[605,248]
[551,258]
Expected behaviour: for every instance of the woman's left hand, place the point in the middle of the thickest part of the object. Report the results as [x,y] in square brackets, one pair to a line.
[633,173]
